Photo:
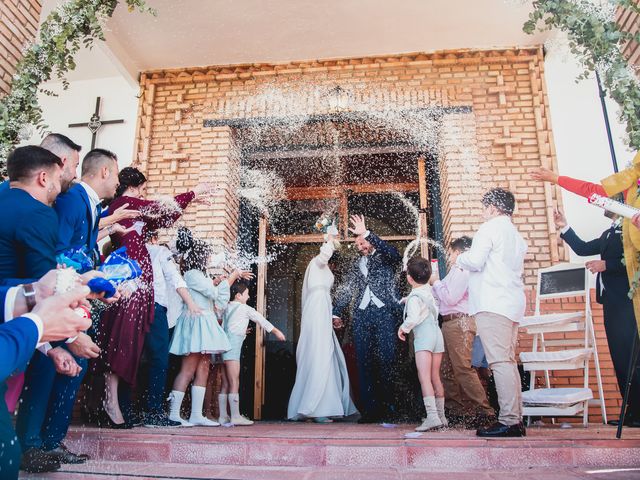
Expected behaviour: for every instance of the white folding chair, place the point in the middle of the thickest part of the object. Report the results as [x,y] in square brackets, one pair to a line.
[561,281]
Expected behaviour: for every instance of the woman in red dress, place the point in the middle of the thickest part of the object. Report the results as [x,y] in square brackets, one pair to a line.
[123,327]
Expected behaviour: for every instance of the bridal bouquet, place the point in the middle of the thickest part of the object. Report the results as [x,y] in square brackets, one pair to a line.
[324,222]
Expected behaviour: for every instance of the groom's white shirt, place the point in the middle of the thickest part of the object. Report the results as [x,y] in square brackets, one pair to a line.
[368,295]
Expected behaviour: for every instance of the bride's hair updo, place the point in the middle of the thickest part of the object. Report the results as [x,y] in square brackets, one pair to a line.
[129,177]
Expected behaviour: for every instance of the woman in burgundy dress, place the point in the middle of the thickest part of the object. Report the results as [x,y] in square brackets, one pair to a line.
[123,326]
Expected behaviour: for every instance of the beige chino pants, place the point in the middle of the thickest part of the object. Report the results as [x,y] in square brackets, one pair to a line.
[499,337]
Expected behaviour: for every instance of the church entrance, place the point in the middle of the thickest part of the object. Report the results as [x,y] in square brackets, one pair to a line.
[398,193]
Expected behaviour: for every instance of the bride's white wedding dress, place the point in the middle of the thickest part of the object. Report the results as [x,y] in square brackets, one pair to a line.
[322,384]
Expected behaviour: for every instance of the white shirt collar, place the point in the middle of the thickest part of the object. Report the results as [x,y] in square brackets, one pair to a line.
[93,196]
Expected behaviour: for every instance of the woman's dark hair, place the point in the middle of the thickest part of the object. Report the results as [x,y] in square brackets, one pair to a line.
[129,177]
[420,269]
[238,288]
[195,252]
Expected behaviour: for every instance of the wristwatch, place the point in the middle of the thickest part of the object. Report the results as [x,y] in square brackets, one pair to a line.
[29,293]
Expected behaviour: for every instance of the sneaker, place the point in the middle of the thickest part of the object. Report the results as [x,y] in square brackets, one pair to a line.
[203,422]
[160,421]
[241,421]
[430,423]
[224,420]
[35,460]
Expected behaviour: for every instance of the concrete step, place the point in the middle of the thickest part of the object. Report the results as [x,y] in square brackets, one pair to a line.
[101,470]
[359,446]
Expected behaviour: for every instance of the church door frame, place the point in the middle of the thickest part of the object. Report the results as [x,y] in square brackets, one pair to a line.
[304,193]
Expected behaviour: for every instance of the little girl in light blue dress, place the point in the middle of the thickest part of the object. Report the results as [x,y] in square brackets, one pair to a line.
[196,337]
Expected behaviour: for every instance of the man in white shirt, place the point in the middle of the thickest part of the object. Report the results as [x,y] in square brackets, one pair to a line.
[496,298]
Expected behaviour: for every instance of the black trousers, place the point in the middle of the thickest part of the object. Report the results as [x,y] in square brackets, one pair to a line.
[621,328]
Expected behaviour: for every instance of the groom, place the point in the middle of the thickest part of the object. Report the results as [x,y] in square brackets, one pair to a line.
[376,315]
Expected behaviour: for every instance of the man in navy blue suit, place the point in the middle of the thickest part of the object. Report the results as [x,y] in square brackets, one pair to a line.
[79,213]
[27,247]
[28,236]
[79,209]
[612,286]
[376,316]
[47,403]
[69,154]
[51,318]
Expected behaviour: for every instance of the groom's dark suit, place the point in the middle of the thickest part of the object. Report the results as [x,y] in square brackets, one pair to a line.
[376,316]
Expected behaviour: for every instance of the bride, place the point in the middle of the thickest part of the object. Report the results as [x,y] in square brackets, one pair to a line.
[321,389]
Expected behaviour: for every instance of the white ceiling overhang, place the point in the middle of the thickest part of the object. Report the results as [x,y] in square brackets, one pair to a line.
[192,33]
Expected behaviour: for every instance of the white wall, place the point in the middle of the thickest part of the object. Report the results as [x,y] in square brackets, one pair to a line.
[580,138]
[77,104]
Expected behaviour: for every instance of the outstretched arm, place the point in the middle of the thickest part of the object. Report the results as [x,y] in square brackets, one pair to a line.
[388,252]
[573,185]
[582,248]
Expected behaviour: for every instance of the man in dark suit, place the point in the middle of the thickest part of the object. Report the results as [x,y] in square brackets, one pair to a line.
[376,314]
[28,236]
[612,287]
[27,249]
[69,154]
[79,213]
[79,209]
[51,318]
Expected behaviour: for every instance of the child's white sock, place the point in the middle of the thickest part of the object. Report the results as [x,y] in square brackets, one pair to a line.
[440,408]
[197,400]
[234,406]
[222,407]
[175,402]
[433,420]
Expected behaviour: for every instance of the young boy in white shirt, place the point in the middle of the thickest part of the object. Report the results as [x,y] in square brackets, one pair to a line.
[235,322]
[496,298]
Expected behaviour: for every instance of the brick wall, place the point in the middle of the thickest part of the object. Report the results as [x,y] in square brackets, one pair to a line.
[495,127]
[630,22]
[19,20]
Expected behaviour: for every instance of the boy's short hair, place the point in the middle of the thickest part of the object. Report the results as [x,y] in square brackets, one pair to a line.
[461,244]
[502,199]
[238,288]
[420,269]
